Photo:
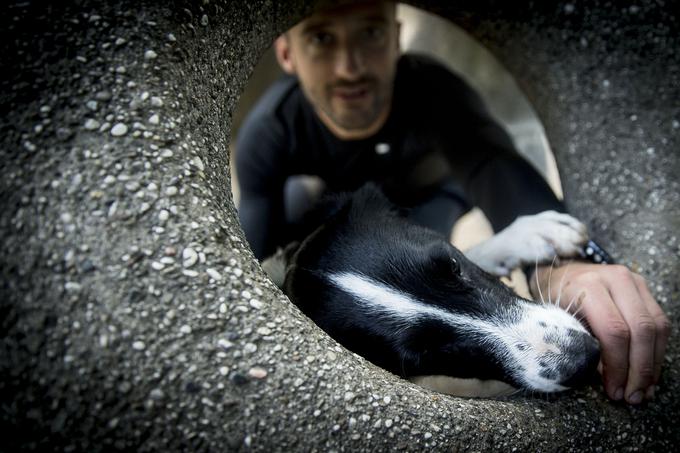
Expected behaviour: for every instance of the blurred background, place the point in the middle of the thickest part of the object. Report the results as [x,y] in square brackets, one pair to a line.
[429,34]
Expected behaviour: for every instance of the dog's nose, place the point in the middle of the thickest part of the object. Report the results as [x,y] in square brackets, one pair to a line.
[584,355]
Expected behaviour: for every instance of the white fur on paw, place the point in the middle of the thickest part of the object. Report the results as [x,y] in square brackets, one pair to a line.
[529,240]
[561,234]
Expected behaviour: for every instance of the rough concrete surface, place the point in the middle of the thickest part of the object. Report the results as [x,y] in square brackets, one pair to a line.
[134,317]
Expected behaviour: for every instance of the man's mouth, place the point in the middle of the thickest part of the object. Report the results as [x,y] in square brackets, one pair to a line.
[351,93]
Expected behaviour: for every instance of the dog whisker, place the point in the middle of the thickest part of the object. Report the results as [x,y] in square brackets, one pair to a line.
[571,302]
[559,289]
[538,283]
[580,317]
[552,265]
[578,299]
[577,312]
[518,392]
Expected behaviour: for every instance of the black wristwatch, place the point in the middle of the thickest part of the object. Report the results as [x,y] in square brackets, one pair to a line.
[593,252]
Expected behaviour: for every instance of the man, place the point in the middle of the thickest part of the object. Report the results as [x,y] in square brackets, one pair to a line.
[353,110]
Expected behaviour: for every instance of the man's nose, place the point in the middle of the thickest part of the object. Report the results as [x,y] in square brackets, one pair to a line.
[349,62]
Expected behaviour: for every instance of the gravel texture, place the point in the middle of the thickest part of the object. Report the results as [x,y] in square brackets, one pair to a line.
[134,317]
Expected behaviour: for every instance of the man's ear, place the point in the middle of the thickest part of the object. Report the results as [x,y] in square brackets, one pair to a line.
[283,54]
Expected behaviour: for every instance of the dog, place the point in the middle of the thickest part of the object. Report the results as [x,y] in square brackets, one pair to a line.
[403,297]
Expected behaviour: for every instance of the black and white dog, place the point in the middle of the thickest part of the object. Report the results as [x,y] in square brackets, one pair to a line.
[404,298]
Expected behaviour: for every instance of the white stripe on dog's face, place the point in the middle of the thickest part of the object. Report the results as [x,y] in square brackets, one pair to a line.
[532,348]
[400,307]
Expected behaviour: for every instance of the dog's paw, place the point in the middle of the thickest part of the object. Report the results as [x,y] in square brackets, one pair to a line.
[543,236]
[535,239]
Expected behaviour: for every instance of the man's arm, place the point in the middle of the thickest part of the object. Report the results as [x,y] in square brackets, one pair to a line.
[261,171]
[483,157]
[258,214]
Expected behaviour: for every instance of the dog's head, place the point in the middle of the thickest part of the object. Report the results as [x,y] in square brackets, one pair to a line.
[404,298]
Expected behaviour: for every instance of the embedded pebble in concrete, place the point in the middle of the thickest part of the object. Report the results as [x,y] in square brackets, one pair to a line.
[119,130]
[190,273]
[150,55]
[264,331]
[198,163]
[91,124]
[250,348]
[225,344]
[257,373]
[214,274]
[163,215]
[104,95]
[156,394]
[189,257]
[132,186]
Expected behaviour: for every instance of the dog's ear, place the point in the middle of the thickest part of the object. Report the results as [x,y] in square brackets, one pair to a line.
[370,199]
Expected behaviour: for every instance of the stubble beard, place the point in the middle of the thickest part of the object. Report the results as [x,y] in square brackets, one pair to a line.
[355,119]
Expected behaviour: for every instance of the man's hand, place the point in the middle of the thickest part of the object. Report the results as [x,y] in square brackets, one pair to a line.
[622,314]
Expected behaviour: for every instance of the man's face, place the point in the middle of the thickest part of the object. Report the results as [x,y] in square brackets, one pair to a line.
[345,59]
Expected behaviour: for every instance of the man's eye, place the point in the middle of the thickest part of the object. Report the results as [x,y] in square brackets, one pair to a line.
[374,33]
[321,39]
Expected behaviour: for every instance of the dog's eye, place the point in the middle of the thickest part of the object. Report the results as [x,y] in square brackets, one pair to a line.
[455,266]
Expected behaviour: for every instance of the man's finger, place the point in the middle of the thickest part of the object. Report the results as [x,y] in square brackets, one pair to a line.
[608,325]
[663,325]
[633,308]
